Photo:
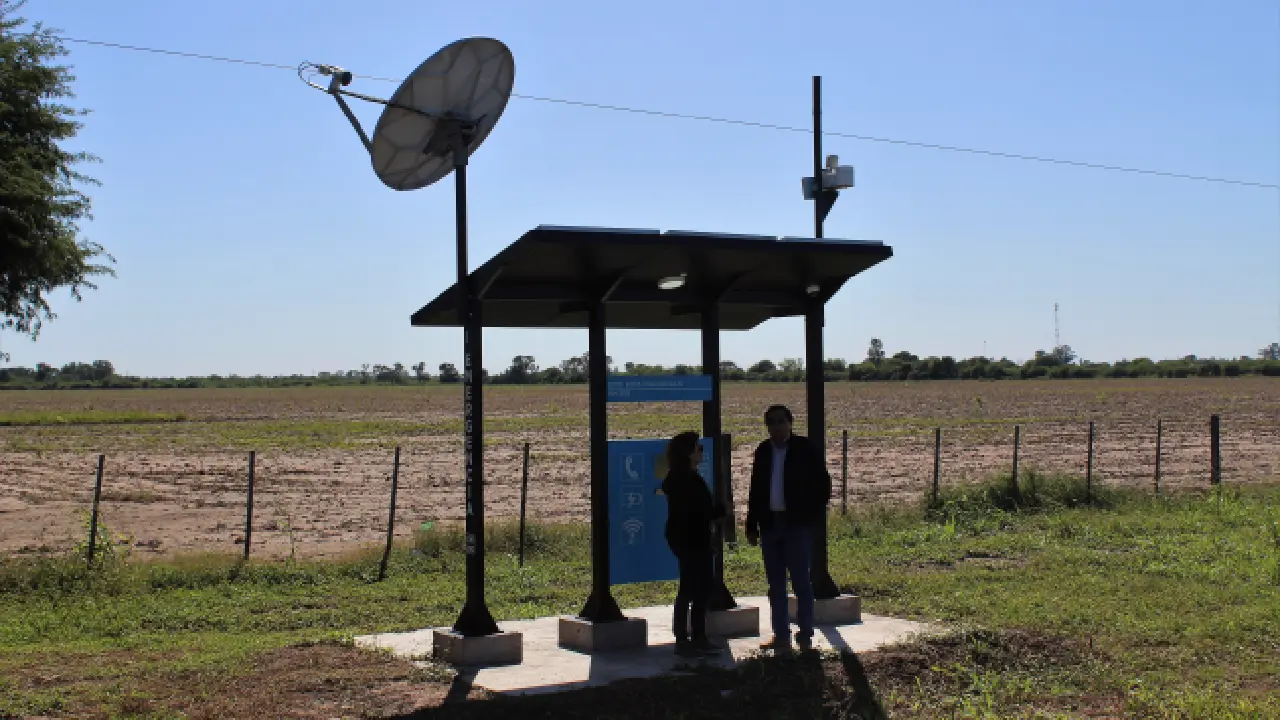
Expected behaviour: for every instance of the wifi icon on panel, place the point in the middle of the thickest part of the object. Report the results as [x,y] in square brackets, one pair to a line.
[634,528]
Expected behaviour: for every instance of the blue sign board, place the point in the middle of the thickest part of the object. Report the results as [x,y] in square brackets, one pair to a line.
[638,549]
[660,388]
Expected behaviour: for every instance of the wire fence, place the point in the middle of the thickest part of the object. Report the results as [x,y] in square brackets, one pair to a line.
[270,505]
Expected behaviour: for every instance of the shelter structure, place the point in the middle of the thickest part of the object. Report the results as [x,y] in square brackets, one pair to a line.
[609,278]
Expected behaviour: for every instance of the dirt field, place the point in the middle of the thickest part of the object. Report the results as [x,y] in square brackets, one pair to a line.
[177,460]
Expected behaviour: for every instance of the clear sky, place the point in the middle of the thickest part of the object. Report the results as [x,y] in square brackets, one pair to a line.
[252,236]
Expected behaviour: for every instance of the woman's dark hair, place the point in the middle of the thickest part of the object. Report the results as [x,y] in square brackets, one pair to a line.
[680,451]
[786,412]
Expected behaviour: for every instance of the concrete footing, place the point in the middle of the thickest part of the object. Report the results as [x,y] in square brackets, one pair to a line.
[586,636]
[841,610]
[503,648]
[742,621]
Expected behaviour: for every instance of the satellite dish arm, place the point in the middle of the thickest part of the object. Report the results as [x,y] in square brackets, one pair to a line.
[337,79]
[346,110]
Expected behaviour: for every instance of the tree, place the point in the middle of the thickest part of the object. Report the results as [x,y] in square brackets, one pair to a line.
[40,201]
[449,373]
[1064,354]
[875,352]
[420,372]
[1271,352]
[522,370]
[764,367]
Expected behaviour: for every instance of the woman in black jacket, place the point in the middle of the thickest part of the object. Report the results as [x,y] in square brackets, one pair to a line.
[690,515]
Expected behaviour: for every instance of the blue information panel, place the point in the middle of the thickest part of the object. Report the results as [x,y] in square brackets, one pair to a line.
[638,549]
[660,388]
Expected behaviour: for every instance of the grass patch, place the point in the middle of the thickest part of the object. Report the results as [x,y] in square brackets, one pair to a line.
[37,418]
[1131,606]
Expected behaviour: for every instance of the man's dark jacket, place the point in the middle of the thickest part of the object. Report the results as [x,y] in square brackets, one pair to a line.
[806,484]
[690,512]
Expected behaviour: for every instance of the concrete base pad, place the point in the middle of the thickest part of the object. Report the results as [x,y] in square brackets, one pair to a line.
[587,636]
[742,621]
[503,648]
[842,610]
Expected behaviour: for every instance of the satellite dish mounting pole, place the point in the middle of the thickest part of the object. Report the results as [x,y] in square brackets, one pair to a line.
[475,619]
[824,588]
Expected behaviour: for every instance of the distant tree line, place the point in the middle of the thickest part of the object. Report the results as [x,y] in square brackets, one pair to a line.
[878,366]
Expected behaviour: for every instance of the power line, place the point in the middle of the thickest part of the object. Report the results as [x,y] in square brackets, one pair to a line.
[731,121]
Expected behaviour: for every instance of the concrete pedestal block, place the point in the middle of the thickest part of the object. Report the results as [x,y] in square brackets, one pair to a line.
[504,648]
[742,621]
[587,636]
[842,610]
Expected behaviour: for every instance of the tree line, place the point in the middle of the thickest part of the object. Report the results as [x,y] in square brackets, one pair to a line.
[877,366]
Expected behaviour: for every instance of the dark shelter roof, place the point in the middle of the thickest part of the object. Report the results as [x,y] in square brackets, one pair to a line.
[549,276]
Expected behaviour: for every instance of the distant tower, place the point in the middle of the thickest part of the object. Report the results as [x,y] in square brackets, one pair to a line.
[1057,339]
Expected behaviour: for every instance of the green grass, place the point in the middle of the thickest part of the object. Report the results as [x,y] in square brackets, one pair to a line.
[33,418]
[1162,607]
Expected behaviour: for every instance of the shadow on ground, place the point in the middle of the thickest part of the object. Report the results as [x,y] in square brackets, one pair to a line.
[801,686]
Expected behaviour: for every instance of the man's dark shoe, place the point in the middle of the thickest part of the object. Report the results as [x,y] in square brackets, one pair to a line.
[706,647]
[686,649]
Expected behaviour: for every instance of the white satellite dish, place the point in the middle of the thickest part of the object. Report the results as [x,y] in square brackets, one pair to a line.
[437,117]
[450,103]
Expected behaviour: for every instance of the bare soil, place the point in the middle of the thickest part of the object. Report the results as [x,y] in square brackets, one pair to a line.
[323,456]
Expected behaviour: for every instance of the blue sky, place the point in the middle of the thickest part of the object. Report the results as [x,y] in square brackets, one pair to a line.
[252,236]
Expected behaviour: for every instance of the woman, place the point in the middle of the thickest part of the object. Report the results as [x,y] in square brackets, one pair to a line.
[690,514]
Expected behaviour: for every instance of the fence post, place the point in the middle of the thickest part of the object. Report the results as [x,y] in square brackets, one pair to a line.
[937,462]
[1159,437]
[93,518]
[248,512]
[391,515]
[1215,450]
[844,473]
[1013,481]
[524,494]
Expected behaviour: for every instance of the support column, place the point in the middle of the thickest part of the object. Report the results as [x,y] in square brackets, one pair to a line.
[721,598]
[824,587]
[601,607]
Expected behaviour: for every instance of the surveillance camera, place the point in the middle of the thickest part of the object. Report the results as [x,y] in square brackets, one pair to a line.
[833,161]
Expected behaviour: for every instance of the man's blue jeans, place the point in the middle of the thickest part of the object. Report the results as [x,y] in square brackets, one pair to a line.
[788,550]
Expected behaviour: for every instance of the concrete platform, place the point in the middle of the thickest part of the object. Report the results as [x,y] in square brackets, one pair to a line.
[590,637]
[547,667]
[742,621]
[505,648]
[841,610]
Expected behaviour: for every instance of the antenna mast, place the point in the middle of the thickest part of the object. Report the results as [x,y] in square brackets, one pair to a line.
[1057,338]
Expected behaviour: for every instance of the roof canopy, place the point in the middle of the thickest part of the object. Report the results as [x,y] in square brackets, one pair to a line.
[551,275]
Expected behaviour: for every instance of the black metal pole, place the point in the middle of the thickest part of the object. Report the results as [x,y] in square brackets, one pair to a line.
[475,619]
[1159,437]
[524,496]
[844,472]
[721,598]
[93,518]
[937,462]
[1014,490]
[391,515]
[815,371]
[1215,450]
[248,507]
[601,606]
[1088,473]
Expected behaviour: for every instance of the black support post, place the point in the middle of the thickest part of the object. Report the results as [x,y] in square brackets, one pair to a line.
[601,606]
[721,598]
[475,619]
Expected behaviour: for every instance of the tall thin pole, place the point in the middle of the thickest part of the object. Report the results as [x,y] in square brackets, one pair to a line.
[475,619]
[844,473]
[1159,437]
[391,515]
[815,377]
[1215,450]
[524,494]
[937,462]
[1014,490]
[248,507]
[1088,476]
[93,518]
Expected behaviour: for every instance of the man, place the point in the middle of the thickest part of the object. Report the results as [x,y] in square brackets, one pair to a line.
[790,489]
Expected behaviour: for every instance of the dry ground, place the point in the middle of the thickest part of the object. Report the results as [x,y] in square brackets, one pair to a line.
[176,460]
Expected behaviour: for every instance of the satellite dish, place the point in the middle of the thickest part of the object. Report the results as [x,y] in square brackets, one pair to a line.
[450,103]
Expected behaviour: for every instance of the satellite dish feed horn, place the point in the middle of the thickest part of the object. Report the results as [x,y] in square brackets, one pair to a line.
[437,117]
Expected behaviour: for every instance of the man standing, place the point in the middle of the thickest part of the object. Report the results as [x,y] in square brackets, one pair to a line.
[790,489]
